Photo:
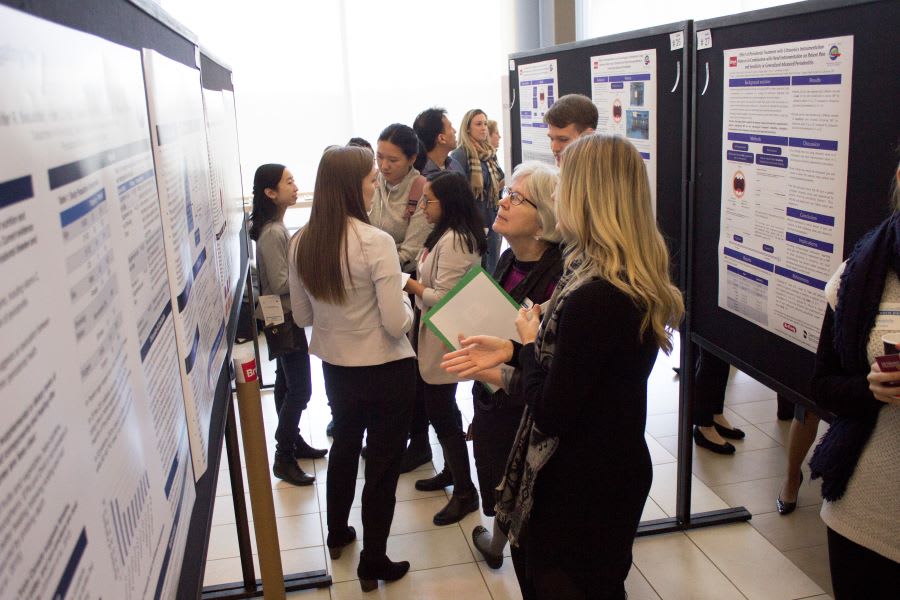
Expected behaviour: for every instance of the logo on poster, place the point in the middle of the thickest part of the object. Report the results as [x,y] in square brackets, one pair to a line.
[789,327]
[834,53]
[732,61]
[646,59]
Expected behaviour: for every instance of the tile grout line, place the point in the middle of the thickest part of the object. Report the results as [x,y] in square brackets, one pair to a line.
[709,558]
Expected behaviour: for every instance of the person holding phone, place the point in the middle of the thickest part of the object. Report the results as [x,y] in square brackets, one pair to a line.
[859,457]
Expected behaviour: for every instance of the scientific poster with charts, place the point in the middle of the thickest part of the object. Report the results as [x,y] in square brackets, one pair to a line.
[538,90]
[182,173]
[225,188]
[214,117]
[234,191]
[623,86]
[88,438]
[785,135]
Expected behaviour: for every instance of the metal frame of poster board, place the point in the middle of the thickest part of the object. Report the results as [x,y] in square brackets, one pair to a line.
[673,169]
[143,24]
[874,135]
[673,110]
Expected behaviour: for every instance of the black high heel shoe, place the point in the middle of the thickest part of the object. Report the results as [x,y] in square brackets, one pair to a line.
[370,571]
[336,544]
[786,508]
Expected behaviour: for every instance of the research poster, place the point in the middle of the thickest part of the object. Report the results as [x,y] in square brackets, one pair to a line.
[180,152]
[84,457]
[785,135]
[214,118]
[623,86]
[234,190]
[538,90]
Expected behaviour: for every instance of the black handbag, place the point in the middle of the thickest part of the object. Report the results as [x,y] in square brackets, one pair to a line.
[285,338]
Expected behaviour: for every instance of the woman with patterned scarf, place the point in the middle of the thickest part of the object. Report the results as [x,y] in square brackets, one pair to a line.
[479,159]
[859,457]
[579,471]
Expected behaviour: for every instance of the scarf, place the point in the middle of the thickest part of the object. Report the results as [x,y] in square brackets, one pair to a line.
[480,155]
[862,284]
[532,448]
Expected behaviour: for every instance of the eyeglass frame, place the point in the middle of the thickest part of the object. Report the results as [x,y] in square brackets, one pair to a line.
[515,198]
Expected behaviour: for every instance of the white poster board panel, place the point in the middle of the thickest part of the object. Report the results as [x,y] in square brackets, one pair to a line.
[623,86]
[182,172]
[538,90]
[785,138]
[83,484]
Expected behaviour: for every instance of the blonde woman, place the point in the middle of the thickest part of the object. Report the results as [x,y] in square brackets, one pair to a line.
[479,160]
[579,471]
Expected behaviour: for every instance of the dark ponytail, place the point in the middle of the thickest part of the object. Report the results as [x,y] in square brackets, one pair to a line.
[264,210]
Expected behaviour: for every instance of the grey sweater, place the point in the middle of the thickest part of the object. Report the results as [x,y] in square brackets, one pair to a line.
[272,264]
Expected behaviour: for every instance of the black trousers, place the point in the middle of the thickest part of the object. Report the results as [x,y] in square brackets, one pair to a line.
[378,399]
[857,572]
[709,388]
[493,433]
[419,423]
[441,408]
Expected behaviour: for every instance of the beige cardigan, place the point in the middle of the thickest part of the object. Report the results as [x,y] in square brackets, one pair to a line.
[439,271]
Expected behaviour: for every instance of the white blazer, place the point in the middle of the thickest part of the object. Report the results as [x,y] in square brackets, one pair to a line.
[370,328]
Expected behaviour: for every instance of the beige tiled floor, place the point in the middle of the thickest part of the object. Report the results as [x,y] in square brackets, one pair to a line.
[716,563]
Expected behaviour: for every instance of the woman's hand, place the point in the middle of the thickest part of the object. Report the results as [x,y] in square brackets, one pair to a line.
[490,376]
[414,287]
[477,353]
[528,322]
[883,385]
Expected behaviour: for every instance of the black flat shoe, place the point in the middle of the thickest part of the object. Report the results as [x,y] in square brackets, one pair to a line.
[786,508]
[336,543]
[493,561]
[701,441]
[370,571]
[731,434]
[438,482]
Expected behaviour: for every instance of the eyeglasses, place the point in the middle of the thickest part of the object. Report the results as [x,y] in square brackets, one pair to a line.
[515,198]
[423,201]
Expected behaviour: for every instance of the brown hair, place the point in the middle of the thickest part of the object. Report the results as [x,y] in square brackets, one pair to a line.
[895,189]
[337,197]
[573,109]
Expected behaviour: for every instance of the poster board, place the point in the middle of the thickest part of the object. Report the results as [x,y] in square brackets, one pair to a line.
[666,47]
[874,132]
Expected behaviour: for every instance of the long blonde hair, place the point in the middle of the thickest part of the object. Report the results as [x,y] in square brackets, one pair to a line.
[605,216]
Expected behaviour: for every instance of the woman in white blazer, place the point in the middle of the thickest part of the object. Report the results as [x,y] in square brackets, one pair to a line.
[454,246]
[345,281]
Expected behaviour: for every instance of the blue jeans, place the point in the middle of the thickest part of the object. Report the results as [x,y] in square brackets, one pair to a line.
[293,387]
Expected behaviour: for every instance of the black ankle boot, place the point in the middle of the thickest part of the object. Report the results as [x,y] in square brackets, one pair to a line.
[416,454]
[304,450]
[370,571]
[438,482]
[336,543]
[461,504]
[287,469]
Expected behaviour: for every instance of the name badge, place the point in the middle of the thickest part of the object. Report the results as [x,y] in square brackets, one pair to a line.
[272,310]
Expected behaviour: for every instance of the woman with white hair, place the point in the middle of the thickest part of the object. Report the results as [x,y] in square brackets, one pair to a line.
[528,270]
[579,471]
